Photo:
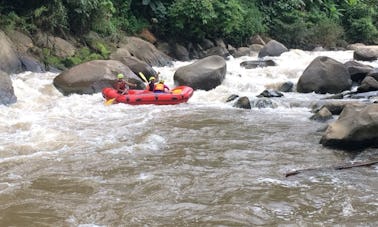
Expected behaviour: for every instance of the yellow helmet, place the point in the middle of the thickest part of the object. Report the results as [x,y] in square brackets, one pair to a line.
[152,78]
[120,76]
[161,81]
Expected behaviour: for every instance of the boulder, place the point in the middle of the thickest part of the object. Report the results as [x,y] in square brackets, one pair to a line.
[272,48]
[180,52]
[368,84]
[59,46]
[366,53]
[9,61]
[243,103]
[31,64]
[91,77]
[356,128]
[7,95]
[324,75]
[135,64]
[146,52]
[21,41]
[252,64]
[270,93]
[217,50]
[322,115]
[358,71]
[204,74]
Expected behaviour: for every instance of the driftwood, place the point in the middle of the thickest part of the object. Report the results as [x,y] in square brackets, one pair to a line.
[339,167]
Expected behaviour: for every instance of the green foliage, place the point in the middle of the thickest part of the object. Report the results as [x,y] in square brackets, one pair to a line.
[51,17]
[360,21]
[192,18]
[250,21]
[11,21]
[363,30]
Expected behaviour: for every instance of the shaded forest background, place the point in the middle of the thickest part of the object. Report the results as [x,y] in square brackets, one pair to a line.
[302,24]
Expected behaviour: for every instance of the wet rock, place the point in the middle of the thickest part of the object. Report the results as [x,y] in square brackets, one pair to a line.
[322,115]
[7,95]
[272,48]
[263,103]
[204,74]
[91,77]
[270,93]
[232,98]
[243,102]
[324,75]
[257,63]
[356,128]
[9,61]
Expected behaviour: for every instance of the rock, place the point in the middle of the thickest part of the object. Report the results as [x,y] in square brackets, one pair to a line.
[286,87]
[59,46]
[368,84]
[263,103]
[146,52]
[22,42]
[322,115]
[243,103]
[232,98]
[135,65]
[272,48]
[180,52]
[148,36]
[270,94]
[324,75]
[257,63]
[241,51]
[358,71]
[9,61]
[366,53]
[356,128]
[31,64]
[217,50]
[7,95]
[91,77]
[205,74]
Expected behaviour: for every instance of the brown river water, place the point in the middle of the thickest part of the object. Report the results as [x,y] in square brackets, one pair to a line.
[72,161]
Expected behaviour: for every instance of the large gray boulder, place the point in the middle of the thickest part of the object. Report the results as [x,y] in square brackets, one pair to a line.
[134,64]
[272,48]
[366,53]
[91,77]
[145,51]
[7,96]
[356,128]
[9,61]
[324,75]
[204,74]
[358,71]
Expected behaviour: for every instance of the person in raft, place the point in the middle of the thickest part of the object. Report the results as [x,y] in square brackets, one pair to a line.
[161,87]
[122,86]
[151,84]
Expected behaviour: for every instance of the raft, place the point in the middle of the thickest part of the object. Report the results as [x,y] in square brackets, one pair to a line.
[177,95]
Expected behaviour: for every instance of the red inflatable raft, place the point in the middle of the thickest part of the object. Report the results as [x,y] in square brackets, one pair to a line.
[177,95]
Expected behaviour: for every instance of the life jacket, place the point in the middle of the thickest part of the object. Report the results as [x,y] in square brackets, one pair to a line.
[120,86]
[159,87]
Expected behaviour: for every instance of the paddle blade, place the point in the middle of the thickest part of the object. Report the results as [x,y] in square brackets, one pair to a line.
[109,102]
[176,91]
[143,77]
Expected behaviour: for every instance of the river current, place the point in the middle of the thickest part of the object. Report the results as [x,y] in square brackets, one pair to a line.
[72,161]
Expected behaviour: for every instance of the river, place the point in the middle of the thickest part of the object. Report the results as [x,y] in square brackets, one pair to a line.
[72,161]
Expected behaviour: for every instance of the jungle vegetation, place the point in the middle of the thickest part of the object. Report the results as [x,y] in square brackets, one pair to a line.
[295,23]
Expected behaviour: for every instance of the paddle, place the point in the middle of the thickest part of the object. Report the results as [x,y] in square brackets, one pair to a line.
[143,77]
[109,102]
